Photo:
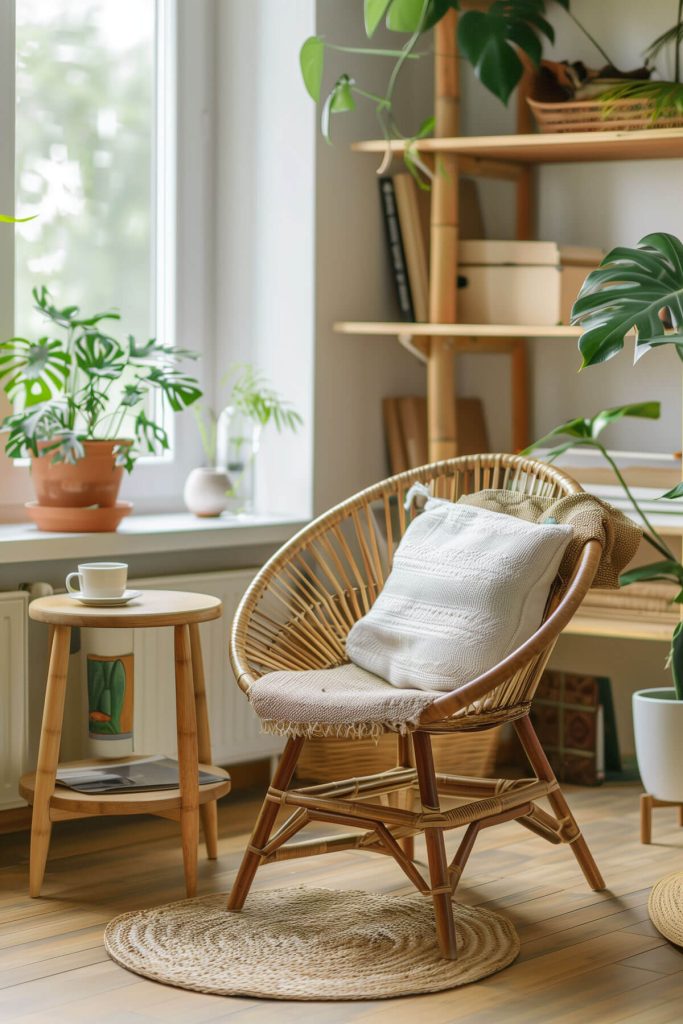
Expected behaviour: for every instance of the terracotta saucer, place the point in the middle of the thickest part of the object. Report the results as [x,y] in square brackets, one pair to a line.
[78,520]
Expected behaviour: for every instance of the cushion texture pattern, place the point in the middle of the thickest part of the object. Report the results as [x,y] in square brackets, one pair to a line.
[343,701]
[467,587]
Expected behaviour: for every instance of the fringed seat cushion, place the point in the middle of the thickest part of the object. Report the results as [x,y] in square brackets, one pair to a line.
[345,701]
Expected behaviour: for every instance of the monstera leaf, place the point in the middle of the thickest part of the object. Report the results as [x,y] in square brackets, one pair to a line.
[491,41]
[639,289]
[33,371]
[586,430]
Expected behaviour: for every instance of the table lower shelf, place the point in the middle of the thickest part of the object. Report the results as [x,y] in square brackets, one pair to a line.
[67,803]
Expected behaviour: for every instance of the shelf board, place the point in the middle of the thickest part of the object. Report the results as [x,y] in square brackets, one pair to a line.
[594,624]
[555,148]
[456,330]
[69,803]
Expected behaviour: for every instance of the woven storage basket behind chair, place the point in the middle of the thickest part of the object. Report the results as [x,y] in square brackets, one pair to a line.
[468,753]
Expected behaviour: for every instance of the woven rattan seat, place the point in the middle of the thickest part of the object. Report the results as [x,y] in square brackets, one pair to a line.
[295,617]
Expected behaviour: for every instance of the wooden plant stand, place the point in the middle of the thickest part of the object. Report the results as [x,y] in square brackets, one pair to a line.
[647,803]
[52,802]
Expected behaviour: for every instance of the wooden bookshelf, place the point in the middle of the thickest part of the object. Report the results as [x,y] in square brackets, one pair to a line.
[584,624]
[418,330]
[553,148]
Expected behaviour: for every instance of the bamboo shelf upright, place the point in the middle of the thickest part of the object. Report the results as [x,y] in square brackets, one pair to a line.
[509,158]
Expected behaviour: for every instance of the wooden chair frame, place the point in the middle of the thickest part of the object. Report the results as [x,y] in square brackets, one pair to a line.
[296,614]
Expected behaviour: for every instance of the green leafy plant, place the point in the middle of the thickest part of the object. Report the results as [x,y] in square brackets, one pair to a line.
[495,41]
[5,219]
[586,432]
[252,395]
[637,289]
[666,98]
[86,385]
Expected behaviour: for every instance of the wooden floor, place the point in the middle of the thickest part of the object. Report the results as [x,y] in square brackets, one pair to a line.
[586,958]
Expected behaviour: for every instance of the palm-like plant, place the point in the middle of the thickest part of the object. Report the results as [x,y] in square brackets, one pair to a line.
[86,385]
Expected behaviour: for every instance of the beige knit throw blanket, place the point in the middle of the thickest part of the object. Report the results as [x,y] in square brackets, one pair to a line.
[591,519]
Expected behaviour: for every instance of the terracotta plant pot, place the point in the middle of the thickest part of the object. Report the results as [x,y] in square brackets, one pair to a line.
[93,480]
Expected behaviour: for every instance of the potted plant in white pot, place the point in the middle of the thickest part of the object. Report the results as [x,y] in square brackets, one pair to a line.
[639,290]
[82,414]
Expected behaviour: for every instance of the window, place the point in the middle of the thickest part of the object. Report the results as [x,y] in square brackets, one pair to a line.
[94,103]
[85,142]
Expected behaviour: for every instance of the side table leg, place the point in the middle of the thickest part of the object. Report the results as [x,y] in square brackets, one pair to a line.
[208,812]
[48,755]
[186,724]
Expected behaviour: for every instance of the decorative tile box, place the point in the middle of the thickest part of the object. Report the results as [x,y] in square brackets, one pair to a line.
[504,282]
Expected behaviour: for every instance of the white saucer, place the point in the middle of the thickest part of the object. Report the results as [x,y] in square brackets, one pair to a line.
[106,602]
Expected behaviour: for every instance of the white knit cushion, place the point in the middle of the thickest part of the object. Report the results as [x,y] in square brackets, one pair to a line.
[467,587]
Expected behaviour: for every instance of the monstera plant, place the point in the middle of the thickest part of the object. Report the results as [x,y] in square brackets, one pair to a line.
[83,406]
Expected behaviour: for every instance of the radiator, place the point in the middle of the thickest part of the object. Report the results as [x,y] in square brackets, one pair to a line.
[13,695]
[235,730]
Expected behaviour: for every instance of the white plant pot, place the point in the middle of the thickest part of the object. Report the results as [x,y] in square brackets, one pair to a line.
[658,725]
[206,491]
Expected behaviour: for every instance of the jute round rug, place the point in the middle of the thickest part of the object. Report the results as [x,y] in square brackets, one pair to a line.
[308,944]
[665,907]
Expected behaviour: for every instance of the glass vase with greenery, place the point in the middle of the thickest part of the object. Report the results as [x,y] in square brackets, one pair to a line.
[231,438]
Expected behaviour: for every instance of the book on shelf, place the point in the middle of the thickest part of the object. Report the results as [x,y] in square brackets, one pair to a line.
[405,427]
[144,774]
[406,209]
[648,474]
[395,247]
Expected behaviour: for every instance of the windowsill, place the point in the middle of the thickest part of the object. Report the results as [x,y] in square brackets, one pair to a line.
[146,534]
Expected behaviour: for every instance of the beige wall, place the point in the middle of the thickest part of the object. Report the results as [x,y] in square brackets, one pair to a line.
[601,205]
[353,279]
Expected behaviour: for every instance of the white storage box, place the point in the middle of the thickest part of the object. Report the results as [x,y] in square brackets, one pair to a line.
[520,282]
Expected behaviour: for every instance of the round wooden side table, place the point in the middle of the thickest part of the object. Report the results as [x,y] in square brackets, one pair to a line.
[52,802]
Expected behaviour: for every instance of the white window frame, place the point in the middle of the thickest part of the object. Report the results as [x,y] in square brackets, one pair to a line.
[181,246]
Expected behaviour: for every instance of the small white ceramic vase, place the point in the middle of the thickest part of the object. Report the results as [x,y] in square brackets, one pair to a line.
[206,491]
[658,726]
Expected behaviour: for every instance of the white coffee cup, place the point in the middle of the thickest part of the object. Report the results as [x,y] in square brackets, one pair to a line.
[99,579]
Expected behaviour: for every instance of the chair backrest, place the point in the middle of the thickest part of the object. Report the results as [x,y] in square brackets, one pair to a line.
[300,607]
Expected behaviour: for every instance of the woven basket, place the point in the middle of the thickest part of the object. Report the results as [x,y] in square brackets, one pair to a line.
[462,753]
[591,116]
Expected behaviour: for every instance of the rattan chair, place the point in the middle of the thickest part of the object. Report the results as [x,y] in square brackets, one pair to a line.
[296,615]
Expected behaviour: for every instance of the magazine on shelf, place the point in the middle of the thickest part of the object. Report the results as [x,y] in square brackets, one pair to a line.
[143,774]
[648,474]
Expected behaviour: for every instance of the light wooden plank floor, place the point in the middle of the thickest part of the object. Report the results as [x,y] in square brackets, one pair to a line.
[586,958]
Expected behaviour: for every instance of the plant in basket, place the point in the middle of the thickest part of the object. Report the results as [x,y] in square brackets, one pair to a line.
[82,411]
[572,97]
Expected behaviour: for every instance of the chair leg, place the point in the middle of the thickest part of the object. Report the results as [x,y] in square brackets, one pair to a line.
[405,797]
[539,762]
[264,825]
[436,848]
